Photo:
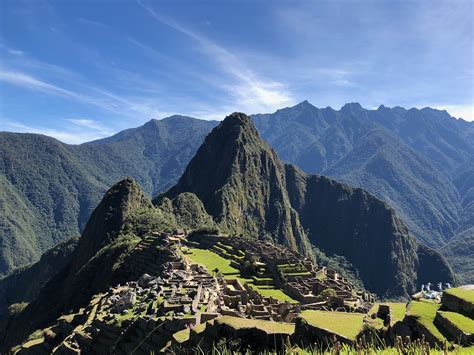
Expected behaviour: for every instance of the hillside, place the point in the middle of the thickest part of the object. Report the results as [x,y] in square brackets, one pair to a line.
[128,237]
[248,190]
[416,160]
[49,188]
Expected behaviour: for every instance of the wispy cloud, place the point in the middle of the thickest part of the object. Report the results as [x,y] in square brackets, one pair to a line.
[70,136]
[15,51]
[90,124]
[249,90]
[103,99]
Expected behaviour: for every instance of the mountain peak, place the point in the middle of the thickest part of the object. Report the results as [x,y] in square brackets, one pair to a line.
[351,107]
[229,173]
[237,119]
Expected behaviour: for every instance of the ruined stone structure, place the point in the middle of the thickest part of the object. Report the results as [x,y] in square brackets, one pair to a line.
[291,271]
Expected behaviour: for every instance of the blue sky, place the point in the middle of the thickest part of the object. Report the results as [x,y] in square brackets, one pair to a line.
[81,70]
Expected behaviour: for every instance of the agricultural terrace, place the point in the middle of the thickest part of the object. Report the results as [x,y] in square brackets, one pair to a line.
[466,294]
[269,327]
[348,325]
[425,313]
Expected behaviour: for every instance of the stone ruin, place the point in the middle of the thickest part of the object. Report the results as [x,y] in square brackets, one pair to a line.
[304,285]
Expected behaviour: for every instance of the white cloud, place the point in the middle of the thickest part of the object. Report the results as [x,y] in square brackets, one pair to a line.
[90,124]
[465,112]
[103,99]
[249,91]
[15,51]
[70,136]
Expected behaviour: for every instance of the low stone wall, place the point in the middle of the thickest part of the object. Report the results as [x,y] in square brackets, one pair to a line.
[307,335]
[456,304]
[453,331]
[420,330]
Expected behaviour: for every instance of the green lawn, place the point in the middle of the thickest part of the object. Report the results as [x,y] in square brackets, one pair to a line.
[182,335]
[462,322]
[345,324]
[397,310]
[212,261]
[269,327]
[425,312]
[273,292]
[462,293]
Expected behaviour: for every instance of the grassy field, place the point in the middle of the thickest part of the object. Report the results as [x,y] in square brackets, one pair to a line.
[465,294]
[345,324]
[462,322]
[425,312]
[269,327]
[211,261]
[397,310]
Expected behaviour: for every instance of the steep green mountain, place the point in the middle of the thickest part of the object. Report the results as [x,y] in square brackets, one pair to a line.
[122,219]
[247,189]
[241,183]
[49,189]
[412,159]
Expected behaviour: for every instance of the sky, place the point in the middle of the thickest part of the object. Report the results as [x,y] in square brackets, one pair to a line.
[82,70]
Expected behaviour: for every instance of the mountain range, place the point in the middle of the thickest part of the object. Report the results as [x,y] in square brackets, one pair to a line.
[235,182]
[418,161]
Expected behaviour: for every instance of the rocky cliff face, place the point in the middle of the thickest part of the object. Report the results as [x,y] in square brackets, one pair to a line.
[349,221]
[241,183]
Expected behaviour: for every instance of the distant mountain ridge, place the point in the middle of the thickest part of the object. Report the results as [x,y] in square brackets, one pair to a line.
[416,160]
[419,161]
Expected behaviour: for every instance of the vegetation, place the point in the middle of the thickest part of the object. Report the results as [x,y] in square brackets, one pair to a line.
[269,327]
[214,262]
[419,161]
[425,313]
[462,322]
[346,324]
[462,293]
[49,189]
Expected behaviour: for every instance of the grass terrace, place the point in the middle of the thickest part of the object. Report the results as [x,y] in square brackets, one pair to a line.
[397,310]
[462,322]
[425,312]
[348,325]
[212,261]
[269,327]
[462,293]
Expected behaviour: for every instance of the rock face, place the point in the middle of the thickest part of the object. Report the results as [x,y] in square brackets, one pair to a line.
[241,183]
[247,189]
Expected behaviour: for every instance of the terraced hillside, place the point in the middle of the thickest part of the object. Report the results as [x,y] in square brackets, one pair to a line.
[199,298]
